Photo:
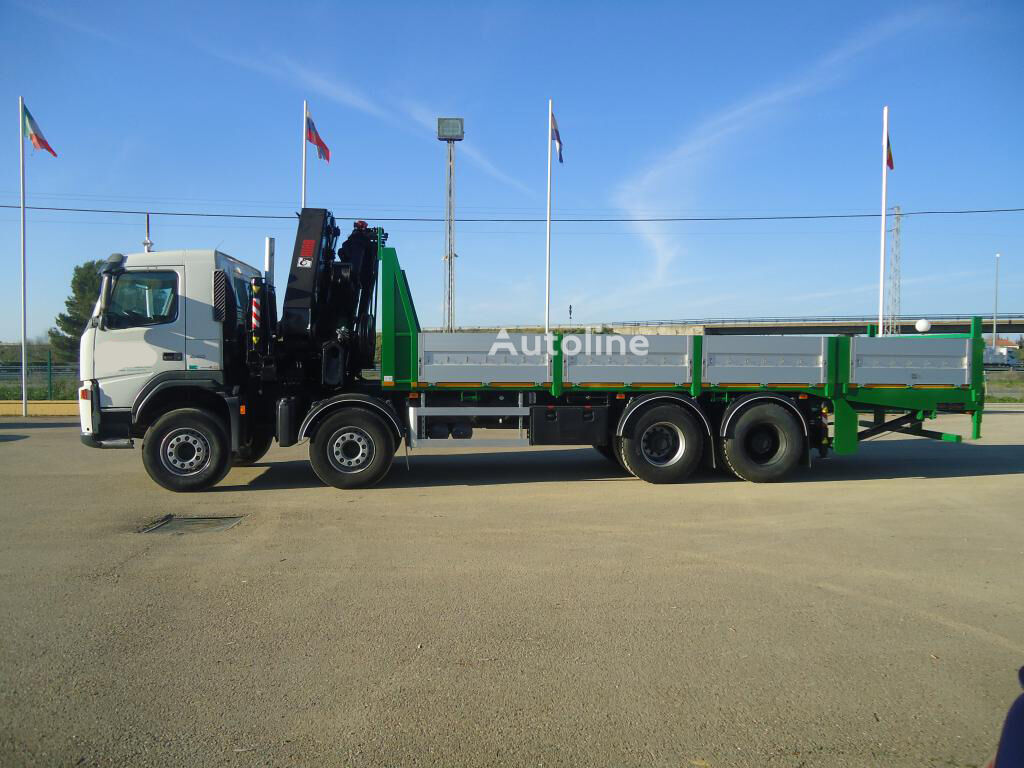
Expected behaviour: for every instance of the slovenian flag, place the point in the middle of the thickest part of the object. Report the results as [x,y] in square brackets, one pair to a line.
[314,138]
[30,130]
[556,136]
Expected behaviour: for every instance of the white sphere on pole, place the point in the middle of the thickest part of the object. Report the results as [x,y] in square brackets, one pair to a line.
[922,326]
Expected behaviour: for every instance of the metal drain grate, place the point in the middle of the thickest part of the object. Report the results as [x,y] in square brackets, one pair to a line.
[179,525]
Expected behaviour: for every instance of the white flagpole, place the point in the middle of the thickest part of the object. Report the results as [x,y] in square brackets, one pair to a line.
[24,347]
[305,114]
[881,250]
[547,274]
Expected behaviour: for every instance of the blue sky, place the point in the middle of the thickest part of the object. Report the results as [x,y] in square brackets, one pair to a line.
[697,109]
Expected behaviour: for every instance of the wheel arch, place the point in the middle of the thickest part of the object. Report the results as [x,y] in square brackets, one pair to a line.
[748,400]
[169,395]
[324,408]
[637,405]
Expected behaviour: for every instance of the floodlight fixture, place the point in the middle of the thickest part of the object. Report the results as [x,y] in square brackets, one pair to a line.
[450,129]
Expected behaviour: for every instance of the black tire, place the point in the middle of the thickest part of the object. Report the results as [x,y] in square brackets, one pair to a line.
[352,449]
[259,443]
[613,452]
[765,443]
[665,447]
[617,451]
[186,450]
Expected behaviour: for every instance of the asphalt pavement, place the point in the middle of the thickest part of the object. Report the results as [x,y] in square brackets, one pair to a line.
[521,607]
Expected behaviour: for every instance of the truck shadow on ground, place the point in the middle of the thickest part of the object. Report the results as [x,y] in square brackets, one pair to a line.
[493,467]
[917,457]
[882,460]
[37,424]
[7,437]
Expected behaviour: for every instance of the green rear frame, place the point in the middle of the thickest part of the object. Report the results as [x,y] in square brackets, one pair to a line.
[400,364]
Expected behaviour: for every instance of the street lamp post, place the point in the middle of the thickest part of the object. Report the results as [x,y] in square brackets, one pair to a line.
[995,312]
[449,130]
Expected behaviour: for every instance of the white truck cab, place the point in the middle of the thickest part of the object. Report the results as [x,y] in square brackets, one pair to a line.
[157,321]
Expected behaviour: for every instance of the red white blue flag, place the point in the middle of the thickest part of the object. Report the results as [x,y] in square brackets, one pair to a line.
[314,138]
[556,136]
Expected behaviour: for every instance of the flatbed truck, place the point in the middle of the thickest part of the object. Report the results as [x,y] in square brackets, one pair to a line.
[185,353]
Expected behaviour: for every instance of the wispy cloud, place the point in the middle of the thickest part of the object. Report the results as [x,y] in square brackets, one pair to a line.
[426,119]
[673,176]
[62,18]
[287,70]
[329,87]
[413,116]
[946,277]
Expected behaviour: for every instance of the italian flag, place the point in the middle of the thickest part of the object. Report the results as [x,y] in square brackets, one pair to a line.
[30,130]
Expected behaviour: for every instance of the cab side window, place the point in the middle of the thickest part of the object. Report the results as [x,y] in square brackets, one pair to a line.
[143,298]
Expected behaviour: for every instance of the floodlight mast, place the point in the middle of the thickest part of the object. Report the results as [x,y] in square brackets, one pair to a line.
[449,130]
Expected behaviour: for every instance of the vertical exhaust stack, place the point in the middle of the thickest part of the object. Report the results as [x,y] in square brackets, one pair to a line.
[268,260]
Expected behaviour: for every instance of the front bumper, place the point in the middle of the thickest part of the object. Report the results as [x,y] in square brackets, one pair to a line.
[102,429]
[94,442]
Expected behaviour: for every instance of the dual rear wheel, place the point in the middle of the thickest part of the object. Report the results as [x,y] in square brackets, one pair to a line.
[765,443]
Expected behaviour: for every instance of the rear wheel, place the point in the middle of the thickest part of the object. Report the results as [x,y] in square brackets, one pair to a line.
[186,450]
[352,449]
[665,447]
[765,444]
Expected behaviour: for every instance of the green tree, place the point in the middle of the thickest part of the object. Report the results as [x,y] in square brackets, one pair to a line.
[85,289]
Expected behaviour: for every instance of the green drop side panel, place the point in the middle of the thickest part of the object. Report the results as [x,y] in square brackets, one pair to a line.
[400,327]
[849,400]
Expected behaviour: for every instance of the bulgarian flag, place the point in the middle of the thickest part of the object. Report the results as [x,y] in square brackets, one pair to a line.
[888,152]
[30,130]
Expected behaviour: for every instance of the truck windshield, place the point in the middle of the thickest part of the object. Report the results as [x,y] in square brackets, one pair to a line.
[143,298]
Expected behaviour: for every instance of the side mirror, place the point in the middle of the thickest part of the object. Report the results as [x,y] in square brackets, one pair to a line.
[99,320]
[111,269]
[220,295]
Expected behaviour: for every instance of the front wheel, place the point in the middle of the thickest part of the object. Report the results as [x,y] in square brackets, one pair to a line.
[186,450]
[665,446]
[352,449]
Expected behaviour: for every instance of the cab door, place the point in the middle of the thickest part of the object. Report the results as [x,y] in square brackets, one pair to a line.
[141,333]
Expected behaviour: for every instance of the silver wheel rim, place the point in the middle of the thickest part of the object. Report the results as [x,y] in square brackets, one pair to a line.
[662,444]
[350,450]
[185,452]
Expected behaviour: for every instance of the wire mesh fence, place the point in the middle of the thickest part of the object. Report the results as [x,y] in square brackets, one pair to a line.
[46,379]
[1004,386]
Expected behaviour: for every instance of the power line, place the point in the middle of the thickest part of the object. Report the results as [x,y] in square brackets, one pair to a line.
[619,220]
